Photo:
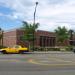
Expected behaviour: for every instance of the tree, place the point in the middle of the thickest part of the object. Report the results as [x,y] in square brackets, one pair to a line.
[1,36]
[29,30]
[62,34]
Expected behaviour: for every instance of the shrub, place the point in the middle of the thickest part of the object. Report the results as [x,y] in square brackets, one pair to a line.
[46,49]
[69,48]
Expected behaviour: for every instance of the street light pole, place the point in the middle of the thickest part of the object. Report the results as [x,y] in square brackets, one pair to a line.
[35,12]
[1,37]
[34,25]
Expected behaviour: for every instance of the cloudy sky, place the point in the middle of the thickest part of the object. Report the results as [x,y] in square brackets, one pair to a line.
[50,13]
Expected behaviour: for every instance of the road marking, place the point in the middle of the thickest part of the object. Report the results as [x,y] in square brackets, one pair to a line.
[61,64]
[9,60]
[13,61]
[59,59]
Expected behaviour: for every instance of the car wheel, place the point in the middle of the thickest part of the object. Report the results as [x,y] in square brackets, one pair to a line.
[4,52]
[20,52]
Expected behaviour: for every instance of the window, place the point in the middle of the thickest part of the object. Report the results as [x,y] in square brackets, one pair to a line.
[47,41]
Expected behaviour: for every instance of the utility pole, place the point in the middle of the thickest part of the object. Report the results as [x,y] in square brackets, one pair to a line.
[34,25]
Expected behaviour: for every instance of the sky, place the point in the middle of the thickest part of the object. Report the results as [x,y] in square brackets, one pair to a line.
[50,13]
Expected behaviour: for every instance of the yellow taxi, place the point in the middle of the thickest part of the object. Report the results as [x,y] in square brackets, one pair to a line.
[14,49]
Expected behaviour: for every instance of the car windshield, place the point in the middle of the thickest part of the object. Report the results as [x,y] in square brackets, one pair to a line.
[17,46]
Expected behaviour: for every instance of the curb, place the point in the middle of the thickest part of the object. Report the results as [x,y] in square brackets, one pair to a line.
[49,52]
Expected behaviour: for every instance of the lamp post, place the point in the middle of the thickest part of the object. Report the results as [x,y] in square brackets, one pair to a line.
[35,12]
[34,25]
[1,37]
[71,39]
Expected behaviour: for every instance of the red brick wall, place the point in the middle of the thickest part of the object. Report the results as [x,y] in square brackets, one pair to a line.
[39,33]
[43,33]
[9,38]
[13,37]
[19,41]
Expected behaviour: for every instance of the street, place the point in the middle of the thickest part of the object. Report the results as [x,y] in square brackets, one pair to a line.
[38,64]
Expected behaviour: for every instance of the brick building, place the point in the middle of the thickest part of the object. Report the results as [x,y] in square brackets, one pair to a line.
[44,38]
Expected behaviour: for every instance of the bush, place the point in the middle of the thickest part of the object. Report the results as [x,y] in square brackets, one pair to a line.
[64,48]
[46,49]
[69,48]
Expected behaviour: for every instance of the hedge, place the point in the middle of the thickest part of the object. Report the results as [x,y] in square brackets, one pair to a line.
[67,48]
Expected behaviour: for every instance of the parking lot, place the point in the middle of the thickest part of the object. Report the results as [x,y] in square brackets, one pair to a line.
[52,63]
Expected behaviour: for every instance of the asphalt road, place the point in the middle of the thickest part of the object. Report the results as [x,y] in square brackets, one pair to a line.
[38,64]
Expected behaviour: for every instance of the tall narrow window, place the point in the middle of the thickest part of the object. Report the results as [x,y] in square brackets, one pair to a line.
[40,40]
[44,41]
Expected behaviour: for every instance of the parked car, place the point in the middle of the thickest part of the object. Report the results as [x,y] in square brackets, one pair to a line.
[14,49]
